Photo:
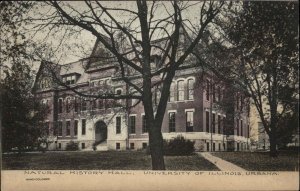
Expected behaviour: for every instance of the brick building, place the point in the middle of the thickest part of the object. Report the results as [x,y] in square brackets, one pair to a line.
[195,109]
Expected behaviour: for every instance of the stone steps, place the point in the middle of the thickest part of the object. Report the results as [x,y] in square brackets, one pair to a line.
[102,146]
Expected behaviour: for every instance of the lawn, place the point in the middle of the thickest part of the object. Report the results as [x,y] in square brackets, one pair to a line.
[261,161]
[108,160]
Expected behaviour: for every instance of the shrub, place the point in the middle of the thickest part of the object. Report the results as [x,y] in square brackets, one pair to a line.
[94,146]
[178,146]
[72,146]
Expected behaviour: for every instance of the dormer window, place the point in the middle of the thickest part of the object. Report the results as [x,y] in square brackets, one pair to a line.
[68,80]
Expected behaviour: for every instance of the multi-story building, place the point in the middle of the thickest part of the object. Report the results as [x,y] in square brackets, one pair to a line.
[196,108]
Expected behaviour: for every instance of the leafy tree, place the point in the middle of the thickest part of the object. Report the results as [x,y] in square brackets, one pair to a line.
[23,114]
[264,56]
[13,38]
[20,113]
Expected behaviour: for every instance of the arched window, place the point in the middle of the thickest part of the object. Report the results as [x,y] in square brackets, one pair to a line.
[93,103]
[191,83]
[68,105]
[77,104]
[133,101]
[119,92]
[180,90]
[83,104]
[100,83]
[172,92]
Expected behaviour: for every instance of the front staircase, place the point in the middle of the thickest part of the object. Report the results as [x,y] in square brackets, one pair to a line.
[102,146]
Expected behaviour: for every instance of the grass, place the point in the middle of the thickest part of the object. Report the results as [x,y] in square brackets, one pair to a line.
[109,160]
[261,161]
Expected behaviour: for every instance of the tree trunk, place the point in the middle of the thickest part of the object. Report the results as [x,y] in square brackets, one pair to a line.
[156,149]
[273,145]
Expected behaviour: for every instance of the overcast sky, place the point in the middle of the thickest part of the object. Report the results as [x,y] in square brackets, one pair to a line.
[68,51]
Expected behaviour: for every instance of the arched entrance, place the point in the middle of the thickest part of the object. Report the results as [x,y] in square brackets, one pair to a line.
[100,132]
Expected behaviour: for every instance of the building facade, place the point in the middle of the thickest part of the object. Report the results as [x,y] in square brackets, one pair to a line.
[196,108]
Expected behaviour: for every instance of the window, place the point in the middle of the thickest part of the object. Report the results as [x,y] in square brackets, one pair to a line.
[133,92]
[207,90]
[69,80]
[83,126]
[131,145]
[207,146]
[237,128]
[45,83]
[241,127]
[214,146]
[59,128]
[92,84]
[77,104]
[219,146]
[100,104]
[60,105]
[119,92]
[172,92]
[224,147]
[107,82]
[219,124]
[180,90]
[118,125]
[213,123]
[214,92]
[238,146]
[83,104]
[100,83]
[75,127]
[207,121]
[59,145]
[189,121]
[109,103]
[93,104]
[144,145]
[172,122]
[190,89]
[144,129]
[118,146]
[55,130]
[68,105]
[83,145]
[132,124]
[248,132]
[68,128]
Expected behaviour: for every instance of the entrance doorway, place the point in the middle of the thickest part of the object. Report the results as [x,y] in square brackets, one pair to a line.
[100,132]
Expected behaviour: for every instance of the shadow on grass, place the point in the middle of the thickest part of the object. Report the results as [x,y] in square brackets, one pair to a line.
[261,161]
[106,160]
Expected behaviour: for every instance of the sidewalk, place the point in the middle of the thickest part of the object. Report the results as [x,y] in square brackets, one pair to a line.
[220,163]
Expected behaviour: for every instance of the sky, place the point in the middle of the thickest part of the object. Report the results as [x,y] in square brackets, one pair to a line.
[69,52]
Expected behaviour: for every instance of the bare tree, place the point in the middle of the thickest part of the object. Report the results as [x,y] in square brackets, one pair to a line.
[133,41]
